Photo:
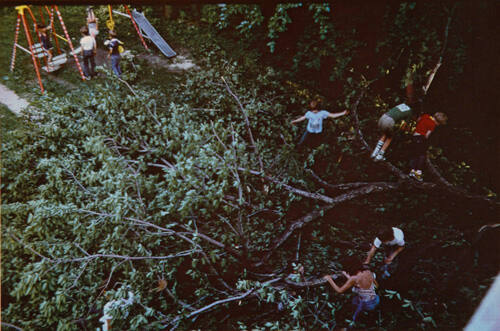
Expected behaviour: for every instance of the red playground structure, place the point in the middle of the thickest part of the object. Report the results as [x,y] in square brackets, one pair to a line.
[36,50]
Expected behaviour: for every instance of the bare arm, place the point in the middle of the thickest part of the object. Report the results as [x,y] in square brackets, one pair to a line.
[371,252]
[394,254]
[300,119]
[335,115]
[346,286]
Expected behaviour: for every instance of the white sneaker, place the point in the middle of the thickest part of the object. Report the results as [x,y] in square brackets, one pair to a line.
[416,174]
[379,157]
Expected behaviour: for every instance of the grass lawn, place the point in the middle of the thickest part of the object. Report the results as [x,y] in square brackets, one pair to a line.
[8,121]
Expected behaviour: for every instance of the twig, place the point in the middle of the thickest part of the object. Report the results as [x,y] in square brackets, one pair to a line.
[11,326]
[206,109]
[210,306]
[345,186]
[29,248]
[440,60]
[145,105]
[247,122]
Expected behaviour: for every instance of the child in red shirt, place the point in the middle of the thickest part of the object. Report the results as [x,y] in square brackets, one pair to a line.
[425,126]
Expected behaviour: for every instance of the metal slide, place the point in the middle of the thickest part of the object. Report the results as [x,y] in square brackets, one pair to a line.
[150,32]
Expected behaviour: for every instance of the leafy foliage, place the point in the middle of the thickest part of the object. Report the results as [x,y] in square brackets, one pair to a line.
[157,189]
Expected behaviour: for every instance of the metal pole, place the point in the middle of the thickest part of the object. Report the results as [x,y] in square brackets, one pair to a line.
[46,58]
[13,61]
[69,42]
[54,34]
[136,28]
[28,36]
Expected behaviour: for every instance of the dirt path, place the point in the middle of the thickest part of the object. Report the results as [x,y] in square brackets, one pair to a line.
[10,99]
[179,64]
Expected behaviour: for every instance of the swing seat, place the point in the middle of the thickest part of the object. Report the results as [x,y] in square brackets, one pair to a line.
[51,68]
[76,51]
[59,60]
[38,50]
[56,63]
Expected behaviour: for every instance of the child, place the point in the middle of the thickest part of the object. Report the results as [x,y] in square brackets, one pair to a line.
[425,126]
[314,129]
[113,45]
[387,124]
[92,24]
[363,283]
[45,39]
[89,49]
[389,237]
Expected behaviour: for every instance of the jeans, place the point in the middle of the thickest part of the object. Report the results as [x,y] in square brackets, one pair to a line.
[364,305]
[88,63]
[310,139]
[115,64]
[419,146]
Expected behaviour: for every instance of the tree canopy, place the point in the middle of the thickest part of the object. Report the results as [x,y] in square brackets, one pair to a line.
[188,191]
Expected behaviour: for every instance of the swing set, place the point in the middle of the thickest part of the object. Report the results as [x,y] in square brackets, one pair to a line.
[36,50]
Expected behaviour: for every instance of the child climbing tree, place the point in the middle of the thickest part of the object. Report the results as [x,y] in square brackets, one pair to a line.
[313,134]
[118,187]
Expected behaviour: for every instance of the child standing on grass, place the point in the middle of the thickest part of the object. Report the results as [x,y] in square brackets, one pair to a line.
[312,135]
[113,45]
[88,52]
[425,126]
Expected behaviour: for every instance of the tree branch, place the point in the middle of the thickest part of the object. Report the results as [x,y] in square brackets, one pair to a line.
[206,308]
[247,122]
[451,189]
[425,88]
[341,187]
[11,326]
[315,196]
[304,220]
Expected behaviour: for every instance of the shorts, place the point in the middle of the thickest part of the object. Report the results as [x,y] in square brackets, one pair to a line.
[386,124]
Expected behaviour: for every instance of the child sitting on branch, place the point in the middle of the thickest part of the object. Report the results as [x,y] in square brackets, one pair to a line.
[312,135]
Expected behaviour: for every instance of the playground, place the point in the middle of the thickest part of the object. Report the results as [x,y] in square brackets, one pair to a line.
[220,167]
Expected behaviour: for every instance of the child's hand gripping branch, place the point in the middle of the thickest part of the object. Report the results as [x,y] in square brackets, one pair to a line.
[363,283]
[389,237]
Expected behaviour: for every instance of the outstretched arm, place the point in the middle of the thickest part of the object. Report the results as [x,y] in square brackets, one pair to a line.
[371,252]
[300,119]
[346,286]
[394,254]
[335,115]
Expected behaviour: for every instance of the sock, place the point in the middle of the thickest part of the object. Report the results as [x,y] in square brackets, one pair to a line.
[377,148]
